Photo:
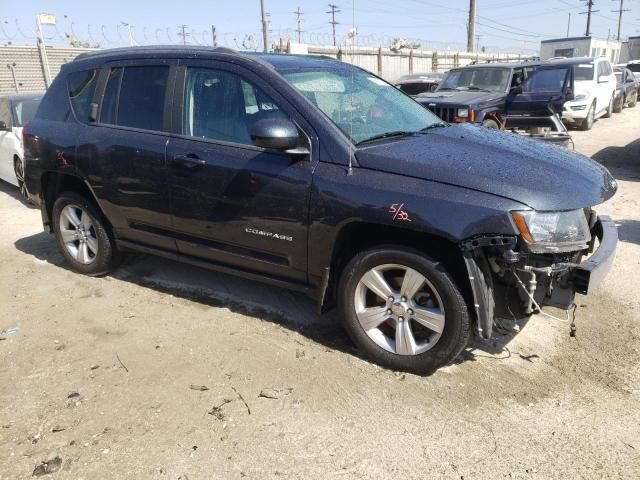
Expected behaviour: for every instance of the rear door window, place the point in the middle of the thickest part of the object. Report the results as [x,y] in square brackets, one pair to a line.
[82,86]
[134,97]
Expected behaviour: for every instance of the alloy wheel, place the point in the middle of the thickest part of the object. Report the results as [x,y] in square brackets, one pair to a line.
[78,234]
[399,309]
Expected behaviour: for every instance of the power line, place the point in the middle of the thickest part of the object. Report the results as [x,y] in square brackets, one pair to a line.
[299,31]
[334,9]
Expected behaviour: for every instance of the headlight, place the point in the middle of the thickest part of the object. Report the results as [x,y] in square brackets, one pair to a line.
[553,231]
[462,113]
[580,97]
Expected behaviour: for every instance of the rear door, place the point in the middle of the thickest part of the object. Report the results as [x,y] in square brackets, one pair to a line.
[7,143]
[234,203]
[124,150]
[542,94]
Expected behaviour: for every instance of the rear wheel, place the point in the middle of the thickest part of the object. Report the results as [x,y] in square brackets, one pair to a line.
[609,111]
[403,310]
[18,168]
[634,100]
[587,123]
[82,235]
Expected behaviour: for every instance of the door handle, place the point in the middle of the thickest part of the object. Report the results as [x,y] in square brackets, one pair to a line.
[189,161]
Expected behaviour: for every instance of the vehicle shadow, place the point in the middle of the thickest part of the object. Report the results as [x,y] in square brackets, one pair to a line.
[623,162]
[14,193]
[291,310]
[629,231]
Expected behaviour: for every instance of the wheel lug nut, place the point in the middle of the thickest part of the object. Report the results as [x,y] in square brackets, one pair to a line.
[404,299]
[389,311]
[391,299]
[410,312]
[401,319]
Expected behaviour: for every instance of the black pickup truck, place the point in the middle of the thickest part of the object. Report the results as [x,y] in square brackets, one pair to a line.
[318,176]
[507,96]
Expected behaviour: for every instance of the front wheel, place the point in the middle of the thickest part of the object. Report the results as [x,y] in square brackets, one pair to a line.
[403,310]
[490,124]
[619,105]
[587,123]
[82,235]
[634,100]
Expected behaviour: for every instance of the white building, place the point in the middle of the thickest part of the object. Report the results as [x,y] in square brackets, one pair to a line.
[630,50]
[581,47]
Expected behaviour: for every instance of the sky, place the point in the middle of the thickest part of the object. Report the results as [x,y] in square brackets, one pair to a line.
[506,25]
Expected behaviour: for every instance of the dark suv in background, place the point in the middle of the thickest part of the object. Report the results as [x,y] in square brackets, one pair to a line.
[318,176]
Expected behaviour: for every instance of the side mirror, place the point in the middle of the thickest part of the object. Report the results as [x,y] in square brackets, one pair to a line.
[517,90]
[3,125]
[275,134]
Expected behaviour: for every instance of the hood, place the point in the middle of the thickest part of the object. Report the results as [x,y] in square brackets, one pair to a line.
[532,172]
[452,97]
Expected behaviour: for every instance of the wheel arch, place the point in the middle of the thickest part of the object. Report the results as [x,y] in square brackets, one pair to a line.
[357,236]
[54,183]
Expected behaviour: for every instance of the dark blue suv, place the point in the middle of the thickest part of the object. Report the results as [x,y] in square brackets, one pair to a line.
[314,175]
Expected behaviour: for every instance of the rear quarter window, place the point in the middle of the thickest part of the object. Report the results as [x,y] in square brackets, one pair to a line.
[55,104]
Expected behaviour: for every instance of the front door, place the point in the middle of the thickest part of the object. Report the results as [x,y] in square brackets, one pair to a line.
[232,202]
[543,93]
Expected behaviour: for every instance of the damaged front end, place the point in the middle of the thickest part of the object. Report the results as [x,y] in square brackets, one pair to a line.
[563,253]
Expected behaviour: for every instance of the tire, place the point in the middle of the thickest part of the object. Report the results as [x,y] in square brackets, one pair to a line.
[425,342]
[619,105]
[587,123]
[634,100]
[18,169]
[490,124]
[91,250]
[609,111]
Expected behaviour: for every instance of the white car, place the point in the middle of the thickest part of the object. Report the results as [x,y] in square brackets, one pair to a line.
[15,111]
[594,91]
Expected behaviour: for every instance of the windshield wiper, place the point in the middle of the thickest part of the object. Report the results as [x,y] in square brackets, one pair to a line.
[435,125]
[478,89]
[398,133]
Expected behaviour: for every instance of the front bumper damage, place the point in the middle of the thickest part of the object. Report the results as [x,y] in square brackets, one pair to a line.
[544,280]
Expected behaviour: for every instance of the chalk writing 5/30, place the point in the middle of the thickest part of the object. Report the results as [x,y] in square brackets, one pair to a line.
[399,213]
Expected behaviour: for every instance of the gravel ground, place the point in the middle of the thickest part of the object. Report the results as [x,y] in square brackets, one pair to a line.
[166,371]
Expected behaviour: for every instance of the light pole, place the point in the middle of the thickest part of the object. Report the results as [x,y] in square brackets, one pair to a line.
[128,25]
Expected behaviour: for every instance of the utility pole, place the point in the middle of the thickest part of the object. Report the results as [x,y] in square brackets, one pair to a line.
[569,25]
[183,33]
[299,15]
[471,26]
[478,37]
[334,9]
[620,12]
[265,27]
[214,37]
[589,11]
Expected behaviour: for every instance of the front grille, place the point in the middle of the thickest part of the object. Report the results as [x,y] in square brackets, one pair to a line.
[445,113]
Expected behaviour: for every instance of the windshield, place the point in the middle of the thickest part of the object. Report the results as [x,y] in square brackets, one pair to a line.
[489,79]
[25,110]
[583,72]
[360,104]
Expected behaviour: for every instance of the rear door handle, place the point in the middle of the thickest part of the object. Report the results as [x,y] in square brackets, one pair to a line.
[190,161]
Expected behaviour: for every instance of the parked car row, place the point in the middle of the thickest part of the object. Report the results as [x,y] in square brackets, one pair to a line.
[533,98]
[318,176]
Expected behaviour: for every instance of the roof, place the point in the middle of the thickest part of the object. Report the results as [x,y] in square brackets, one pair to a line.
[498,65]
[566,39]
[276,60]
[420,78]
[572,60]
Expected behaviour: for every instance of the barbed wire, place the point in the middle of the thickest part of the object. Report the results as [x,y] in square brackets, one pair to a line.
[245,40]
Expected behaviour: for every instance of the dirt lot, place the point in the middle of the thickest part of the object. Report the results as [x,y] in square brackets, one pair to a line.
[106,373]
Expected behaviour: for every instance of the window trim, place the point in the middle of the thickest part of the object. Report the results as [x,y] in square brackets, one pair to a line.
[101,88]
[249,77]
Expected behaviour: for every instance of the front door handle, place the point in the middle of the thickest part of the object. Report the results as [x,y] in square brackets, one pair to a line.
[190,161]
